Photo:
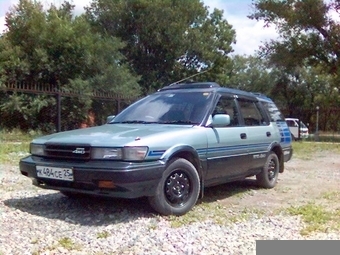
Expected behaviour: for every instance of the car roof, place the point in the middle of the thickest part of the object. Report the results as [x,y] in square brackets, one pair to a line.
[213,86]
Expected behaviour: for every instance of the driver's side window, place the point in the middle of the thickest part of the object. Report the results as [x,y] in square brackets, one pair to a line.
[226,105]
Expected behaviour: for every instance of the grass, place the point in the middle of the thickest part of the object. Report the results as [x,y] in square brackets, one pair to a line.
[332,195]
[214,212]
[11,153]
[201,212]
[316,218]
[319,217]
[14,136]
[306,150]
[15,145]
[104,234]
[64,242]
[68,244]
[325,137]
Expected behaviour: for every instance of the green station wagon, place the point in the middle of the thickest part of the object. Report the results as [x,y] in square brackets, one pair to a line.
[168,147]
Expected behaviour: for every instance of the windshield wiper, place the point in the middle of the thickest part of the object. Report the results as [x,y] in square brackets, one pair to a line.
[135,122]
[187,122]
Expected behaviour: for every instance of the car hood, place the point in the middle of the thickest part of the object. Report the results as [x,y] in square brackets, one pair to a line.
[114,134]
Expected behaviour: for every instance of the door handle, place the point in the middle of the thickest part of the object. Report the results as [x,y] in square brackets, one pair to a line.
[268,134]
[243,136]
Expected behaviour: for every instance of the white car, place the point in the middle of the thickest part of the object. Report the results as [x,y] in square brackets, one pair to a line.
[293,124]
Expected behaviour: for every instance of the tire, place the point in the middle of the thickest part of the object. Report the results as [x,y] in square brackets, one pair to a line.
[268,177]
[178,190]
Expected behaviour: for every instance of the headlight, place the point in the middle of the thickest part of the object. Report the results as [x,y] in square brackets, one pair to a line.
[106,153]
[135,153]
[37,149]
[126,153]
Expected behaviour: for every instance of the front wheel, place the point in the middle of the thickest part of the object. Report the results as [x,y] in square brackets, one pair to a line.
[270,172]
[178,190]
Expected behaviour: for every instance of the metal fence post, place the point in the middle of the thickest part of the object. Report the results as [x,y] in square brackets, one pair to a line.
[317,124]
[58,109]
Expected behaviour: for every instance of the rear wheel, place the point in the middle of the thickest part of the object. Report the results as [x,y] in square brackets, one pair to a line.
[178,190]
[270,172]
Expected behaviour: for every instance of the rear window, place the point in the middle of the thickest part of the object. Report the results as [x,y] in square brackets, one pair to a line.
[273,112]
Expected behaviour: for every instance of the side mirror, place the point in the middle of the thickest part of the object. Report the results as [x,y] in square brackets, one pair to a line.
[220,120]
[110,118]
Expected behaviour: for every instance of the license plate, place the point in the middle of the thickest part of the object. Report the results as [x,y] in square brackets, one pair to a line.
[57,173]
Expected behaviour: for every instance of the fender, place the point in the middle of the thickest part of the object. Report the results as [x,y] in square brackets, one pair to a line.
[276,147]
[273,145]
[191,154]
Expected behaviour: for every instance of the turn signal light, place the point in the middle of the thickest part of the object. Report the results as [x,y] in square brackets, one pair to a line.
[106,184]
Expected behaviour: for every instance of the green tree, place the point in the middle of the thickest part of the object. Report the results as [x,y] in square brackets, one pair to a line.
[166,40]
[309,33]
[56,48]
[251,73]
[306,56]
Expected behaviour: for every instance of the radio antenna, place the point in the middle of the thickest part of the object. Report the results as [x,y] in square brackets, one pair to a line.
[189,77]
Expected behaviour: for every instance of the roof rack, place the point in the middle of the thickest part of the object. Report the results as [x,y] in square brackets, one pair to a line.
[193,85]
[260,95]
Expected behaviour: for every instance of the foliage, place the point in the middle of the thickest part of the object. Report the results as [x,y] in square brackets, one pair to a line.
[166,40]
[54,47]
[309,33]
[27,111]
[305,57]
[251,73]
[130,48]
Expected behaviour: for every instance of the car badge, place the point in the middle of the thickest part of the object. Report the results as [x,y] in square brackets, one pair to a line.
[79,151]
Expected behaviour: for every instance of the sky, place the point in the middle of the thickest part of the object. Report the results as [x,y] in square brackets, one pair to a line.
[250,34]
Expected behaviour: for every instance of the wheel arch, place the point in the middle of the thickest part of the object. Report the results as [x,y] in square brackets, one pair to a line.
[277,149]
[189,153]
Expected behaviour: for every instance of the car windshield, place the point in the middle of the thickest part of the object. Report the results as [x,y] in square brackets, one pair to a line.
[180,107]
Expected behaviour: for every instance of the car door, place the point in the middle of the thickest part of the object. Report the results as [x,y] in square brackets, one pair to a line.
[259,132]
[293,127]
[227,145]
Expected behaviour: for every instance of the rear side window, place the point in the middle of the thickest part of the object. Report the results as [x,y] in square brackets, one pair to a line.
[251,113]
[273,112]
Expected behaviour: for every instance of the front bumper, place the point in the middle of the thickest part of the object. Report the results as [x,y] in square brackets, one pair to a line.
[130,180]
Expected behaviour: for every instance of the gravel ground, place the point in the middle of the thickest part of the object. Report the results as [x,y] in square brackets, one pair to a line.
[35,221]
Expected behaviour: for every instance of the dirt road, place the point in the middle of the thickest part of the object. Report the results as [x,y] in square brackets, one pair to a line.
[315,179]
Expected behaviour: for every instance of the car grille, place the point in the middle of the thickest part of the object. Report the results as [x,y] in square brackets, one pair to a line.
[78,151]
